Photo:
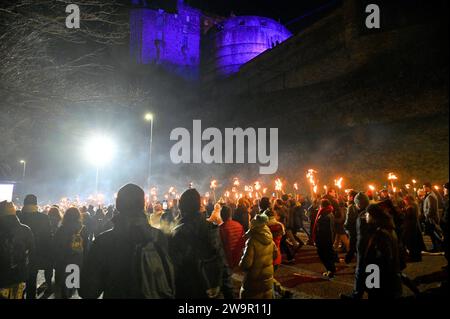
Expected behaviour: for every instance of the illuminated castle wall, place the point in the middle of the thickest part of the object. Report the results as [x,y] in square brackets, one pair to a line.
[173,40]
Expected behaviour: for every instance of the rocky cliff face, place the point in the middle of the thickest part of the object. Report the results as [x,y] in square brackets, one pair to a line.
[350,101]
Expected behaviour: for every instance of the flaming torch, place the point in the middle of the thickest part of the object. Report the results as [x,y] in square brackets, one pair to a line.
[414,185]
[257,188]
[310,175]
[392,177]
[213,186]
[296,189]
[278,186]
[338,182]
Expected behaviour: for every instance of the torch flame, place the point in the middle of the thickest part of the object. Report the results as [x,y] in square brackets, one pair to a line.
[392,176]
[371,187]
[338,182]
[213,184]
[236,182]
[278,184]
[257,185]
[296,186]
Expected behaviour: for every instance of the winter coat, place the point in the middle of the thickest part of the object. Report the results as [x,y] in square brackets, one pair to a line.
[232,235]
[17,246]
[412,233]
[192,240]
[277,230]
[40,226]
[383,251]
[323,234]
[430,209]
[108,268]
[350,220]
[257,264]
[297,214]
[241,215]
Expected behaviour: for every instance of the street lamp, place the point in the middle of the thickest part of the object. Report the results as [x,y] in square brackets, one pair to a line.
[24,163]
[149,118]
[99,151]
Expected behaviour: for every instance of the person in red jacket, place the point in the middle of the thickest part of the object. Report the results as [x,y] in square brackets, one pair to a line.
[232,235]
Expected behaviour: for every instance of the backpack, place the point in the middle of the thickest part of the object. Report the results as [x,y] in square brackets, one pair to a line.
[77,243]
[155,272]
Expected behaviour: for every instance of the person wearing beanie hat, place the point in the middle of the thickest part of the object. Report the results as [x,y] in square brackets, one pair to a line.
[16,248]
[257,260]
[196,250]
[117,264]
[42,233]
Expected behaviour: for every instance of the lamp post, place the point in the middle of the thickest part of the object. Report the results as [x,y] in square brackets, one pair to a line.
[24,163]
[149,118]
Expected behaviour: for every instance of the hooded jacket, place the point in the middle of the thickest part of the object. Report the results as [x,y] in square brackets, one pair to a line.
[39,224]
[257,263]
[14,262]
[108,268]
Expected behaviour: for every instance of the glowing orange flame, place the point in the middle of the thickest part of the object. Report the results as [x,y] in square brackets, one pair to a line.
[338,182]
[392,176]
[257,185]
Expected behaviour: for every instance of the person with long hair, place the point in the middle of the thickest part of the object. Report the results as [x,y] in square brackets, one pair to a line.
[70,244]
[412,233]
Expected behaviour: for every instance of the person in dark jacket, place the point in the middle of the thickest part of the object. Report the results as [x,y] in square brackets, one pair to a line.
[16,248]
[350,226]
[70,243]
[362,237]
[241,214]
[55,218]
[40,226]
[382,250]
[412,233]
[109,266]
[431,215]
[323,236]
[196,250]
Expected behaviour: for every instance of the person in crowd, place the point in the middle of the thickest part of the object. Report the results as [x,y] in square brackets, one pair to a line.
[445,223]
[254,209]
[196,250]
[241,214]
[350,226]
[257,260]
[98,221]
[88,223]
[362,236]
[41,259]
[323,236]
[412,233]
[16,250]
[70,244]
[313,209]
[339,230]
[113,266]
[382,250]
[155,217]
[170,217]
[232,235]
[431,217]
[384,194]
[55,218]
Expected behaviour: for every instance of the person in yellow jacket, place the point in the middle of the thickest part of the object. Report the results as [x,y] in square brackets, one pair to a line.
[257,260]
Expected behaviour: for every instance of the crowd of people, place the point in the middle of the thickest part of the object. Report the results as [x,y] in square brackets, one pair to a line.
[191,246]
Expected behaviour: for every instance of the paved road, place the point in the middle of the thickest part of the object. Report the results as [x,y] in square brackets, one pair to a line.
[304,277]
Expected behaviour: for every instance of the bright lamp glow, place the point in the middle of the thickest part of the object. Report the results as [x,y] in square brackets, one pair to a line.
[6,192]
[148,117]
[99,150]
[22,162]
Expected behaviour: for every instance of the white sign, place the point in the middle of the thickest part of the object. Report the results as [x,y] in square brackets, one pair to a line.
[6,192]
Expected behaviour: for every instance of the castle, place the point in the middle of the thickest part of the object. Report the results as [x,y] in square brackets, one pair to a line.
[192,44]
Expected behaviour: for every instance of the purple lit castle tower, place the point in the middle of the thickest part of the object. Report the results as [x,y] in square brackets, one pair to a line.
[173,40]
